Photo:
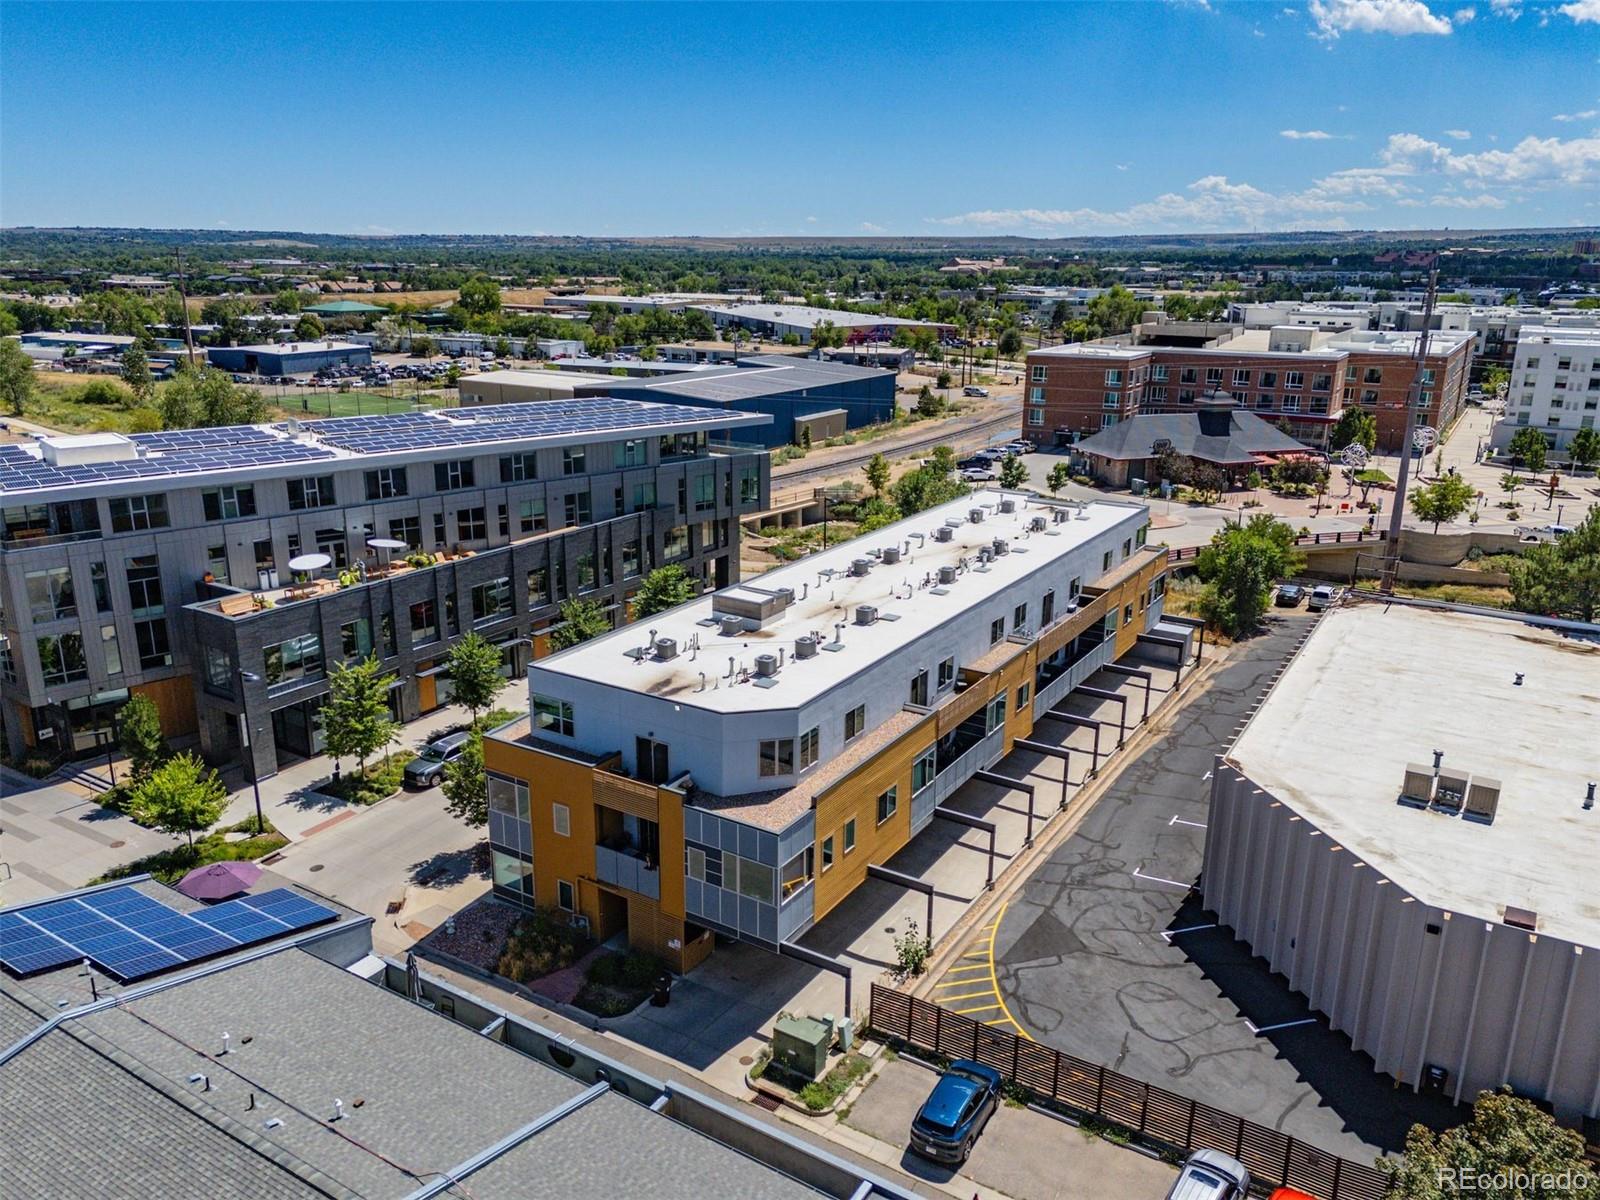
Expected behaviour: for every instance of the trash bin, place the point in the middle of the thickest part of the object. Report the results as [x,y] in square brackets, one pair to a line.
[662,991]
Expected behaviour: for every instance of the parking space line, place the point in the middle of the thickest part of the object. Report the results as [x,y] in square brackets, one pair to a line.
[977,966]
[965,996]
[1280,1025]
[1177,820]
[1169,934]
[969,1011]
[1138,874]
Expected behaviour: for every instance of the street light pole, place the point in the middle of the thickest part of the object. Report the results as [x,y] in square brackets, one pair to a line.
[244,729]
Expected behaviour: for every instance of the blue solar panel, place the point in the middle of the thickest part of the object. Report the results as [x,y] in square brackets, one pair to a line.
[129,935]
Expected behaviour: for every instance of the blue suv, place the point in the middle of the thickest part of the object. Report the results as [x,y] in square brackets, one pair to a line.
[955,1112]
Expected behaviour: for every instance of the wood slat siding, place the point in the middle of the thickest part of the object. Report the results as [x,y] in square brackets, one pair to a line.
[626,795]
[174,700]
[962,705]
[1059,634]
[1274,1158]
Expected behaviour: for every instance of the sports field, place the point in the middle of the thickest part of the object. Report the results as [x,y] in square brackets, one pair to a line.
[327,402]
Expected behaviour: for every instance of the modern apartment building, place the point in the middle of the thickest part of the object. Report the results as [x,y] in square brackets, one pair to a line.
[734,765]
[1297,377]
[164,563]
[1555,385]
[1419,869]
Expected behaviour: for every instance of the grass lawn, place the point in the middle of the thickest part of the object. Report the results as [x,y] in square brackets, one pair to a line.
[57,403]
[169,866]
[326,402]
[1457,593]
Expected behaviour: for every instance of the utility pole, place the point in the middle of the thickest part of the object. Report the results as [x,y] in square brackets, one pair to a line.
[183,297]
[1391,552]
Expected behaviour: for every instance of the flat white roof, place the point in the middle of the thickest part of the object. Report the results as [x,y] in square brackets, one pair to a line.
[296,347]
[826,594]
[542,379]
[1560,335]
[804,316]
[1380,686]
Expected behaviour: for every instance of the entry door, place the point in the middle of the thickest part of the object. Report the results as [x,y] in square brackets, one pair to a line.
[652,759]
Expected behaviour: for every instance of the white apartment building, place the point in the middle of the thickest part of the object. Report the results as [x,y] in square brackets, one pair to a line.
[1555,385]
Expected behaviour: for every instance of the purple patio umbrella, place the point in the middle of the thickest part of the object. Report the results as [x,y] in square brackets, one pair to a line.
[219,880]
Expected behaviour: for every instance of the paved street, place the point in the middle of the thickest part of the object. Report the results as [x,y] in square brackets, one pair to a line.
[1103,953]
[53,837]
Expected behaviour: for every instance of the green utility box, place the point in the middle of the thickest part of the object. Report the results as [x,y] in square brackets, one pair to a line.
[800,1046]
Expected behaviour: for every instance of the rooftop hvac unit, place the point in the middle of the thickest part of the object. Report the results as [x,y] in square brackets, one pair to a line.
[805,647]
[866,614]
[860,566]
[1418,786]
[1060,516]
[1522,918]
[666,648]
[1037,525]
[1483,798]
[732,626]
[1008,505]
[766,664]
[943,534]
[1001,546]
[785,596]
[891,554]
[1083,512]
[1450,791]
[985,554]
[947,574]
[975,515]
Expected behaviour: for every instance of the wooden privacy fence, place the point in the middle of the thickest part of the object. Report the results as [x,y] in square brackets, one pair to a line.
[1273,1157]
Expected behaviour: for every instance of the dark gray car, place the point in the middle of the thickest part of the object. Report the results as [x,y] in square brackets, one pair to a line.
[427,769]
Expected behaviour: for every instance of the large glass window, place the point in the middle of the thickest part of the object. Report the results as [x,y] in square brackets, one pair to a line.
[424,622]
[491,600]
[755,879]
[631,453]
[577,508]
[144,585]
[227,503]
[449,476]
[810,746]
[315,492]
[219,670]
[586,570]
[553,715]
[922,771]
[61,659]
[154,648]
[531,516]
[705,492]
[100,580]
[50,595]
[387,483]
[217,563]
[888,803]
[512,874]
[777,757]
[538,586]
[508,797]
[110,651]
[749,486]
[676,544]
[574,460]
[519,468]
[407,530]
[632,563]
[472,524]
[133,514]
[292,660]
[355,639]
[644,496]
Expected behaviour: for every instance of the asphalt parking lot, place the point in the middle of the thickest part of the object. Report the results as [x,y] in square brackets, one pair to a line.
[1107,954]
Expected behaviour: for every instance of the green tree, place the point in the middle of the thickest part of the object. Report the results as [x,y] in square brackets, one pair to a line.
[1561,578]
[182,795]
[465,785]
[942,380]
[929,403]
[1444,500]
[1585,448]
[421,346]
[1506,1136]
[309,328]
[136,374]
[355,718]
[1529,449]
[665,587]
[1173,467]
[480,297]
[502,347]
[1013,474]
[207,399]
[475,678]
[1060,475]
[1115,311]
[825,334]
[877,473]
[16,377]
[1207,480]
[1010,344]
[139,735]
[105,393]
[1494,379]
[580,621]
[930,484]
[1355,428]
[1239,569]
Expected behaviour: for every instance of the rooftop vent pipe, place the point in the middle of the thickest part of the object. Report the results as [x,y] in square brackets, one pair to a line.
[1588,801]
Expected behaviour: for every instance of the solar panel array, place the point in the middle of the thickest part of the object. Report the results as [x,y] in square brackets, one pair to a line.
[175,452]
[129,935]
[503,422]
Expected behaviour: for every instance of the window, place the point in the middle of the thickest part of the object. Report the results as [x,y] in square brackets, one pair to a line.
[332,543]
[552,715]
[1112,400]
[492,600]
[144,585]
[1321,383]
[1269,379]
[749,487]
[101,582]
[574,460]
[424,622]
[519,468]
[855,722]
[1241,377]
[887,803]
[777,757]
[471,525]
[922,771]
[219,670]
[217,563]
[1127,614]
[316,492]
[577,508]
[1213,376]
[561,819]
[631,453]
[644,496]
[705,492]
[538,586]
[50,596]
[1023,693]
[919,688]
[1105,561]
[531,516]
[947,673]
[1158,373]
[450,476]
[564,896]
[995,713]
[1188,375]
[676,544]
[134,514]
[1113,378]
[387,483]
[1075,587]
[61,659]
[1039,374]
[704,863]
[849,835]
[225,504]
[632,561]
[1036,416]
[109,649]
[1019,618]
[755,880]
[293,660]
[1373,375]
[1127,547]
[407,530]
[511,873]
[810,745]
[827,852]
[997,630]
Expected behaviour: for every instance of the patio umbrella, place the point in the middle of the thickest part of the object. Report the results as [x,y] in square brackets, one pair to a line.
[219,880]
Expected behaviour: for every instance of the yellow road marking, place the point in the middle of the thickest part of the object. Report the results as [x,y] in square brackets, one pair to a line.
[965,996]
[968,967]
[979,1008]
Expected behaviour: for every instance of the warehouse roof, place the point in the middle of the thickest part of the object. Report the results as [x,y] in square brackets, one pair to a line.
[756,376]
[806,317]
[296,348]
[1379,686]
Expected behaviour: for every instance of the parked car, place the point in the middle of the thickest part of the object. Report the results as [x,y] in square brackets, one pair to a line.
[1211,1175]
[427,768]
[974,390]
[979,474]
[1322,597]
[1289,595]
[1021,446]
[955,1112]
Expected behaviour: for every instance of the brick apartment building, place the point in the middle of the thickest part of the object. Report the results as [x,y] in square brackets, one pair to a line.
[1299,379]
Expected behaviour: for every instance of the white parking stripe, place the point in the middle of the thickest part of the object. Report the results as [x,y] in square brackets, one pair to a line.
[1138,874]
[1177,820]
[1280,1025]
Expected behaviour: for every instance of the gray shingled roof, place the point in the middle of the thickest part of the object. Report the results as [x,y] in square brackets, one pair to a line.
[1134,439]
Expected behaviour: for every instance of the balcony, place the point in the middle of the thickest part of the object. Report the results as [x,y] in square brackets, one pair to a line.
[628,870]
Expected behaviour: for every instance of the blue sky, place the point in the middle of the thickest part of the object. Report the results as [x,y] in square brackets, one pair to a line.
[752,119]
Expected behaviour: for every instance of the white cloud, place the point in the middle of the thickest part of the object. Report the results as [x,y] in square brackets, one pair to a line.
[1453,200]
[1582,11]
[869,227]
[1509,9]
[1306,135]
[1460,135]
[1124,166]
[1586,115]
[1401,18]
[811,220]
[1463,15]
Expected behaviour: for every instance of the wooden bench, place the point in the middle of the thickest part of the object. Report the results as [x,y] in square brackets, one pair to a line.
[237,606]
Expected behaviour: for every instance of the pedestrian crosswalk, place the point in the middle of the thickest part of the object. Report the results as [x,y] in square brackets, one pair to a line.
[969,986]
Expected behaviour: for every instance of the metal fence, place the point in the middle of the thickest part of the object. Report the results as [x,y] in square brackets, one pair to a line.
[1273,1157]
[1339,538]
